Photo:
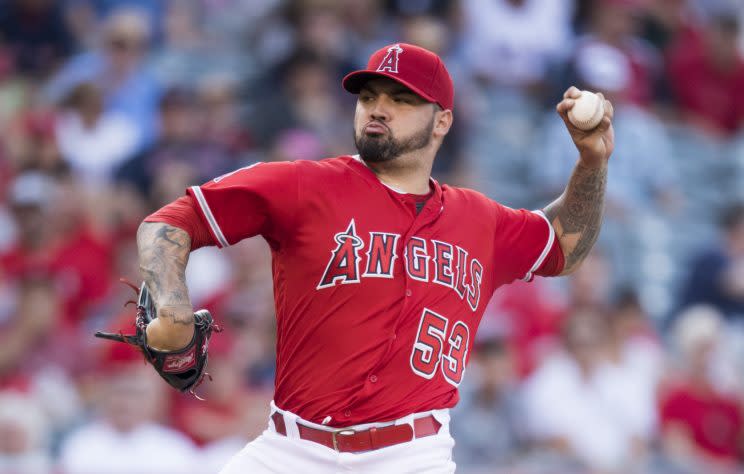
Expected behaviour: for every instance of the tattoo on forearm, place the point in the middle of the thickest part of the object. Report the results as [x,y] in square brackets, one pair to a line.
[577,214]
[163,254]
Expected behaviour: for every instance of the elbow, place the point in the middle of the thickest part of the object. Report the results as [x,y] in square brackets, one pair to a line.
[143,231]
[576,248]
[572,259]
[570,269]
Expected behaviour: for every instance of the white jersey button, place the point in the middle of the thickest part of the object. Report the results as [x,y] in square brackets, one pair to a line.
[347,413]
[409,292]
[373,378]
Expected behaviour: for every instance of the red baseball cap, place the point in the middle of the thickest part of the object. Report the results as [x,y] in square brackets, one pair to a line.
[413,66]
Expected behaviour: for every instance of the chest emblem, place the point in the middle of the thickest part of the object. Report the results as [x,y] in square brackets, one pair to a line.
[430,261]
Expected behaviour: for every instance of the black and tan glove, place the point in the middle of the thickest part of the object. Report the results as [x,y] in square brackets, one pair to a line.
[183,369]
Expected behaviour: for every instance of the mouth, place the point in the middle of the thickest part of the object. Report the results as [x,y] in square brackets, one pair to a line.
[375,128]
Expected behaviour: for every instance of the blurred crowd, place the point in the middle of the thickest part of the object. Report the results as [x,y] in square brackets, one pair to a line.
[111,108]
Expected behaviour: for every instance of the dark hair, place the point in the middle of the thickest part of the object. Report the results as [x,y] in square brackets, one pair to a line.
[626,297]
[732,216]
[177,96]
[81,94]
[726,22]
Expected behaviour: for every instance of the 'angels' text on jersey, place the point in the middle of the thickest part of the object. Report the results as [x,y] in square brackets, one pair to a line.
[425,260]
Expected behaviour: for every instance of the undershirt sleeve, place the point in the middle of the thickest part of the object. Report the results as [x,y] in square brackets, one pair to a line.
[182,213]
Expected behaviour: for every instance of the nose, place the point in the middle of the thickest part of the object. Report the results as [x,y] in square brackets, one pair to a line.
[380,111]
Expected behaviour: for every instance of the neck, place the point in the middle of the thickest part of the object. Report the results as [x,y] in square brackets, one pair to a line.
[409,173]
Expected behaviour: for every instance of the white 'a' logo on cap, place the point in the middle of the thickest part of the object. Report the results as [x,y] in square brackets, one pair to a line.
[390,62]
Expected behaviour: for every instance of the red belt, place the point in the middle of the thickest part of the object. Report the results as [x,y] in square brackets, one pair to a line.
[352,441]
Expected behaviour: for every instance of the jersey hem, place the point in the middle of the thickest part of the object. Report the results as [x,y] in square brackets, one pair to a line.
[439,414]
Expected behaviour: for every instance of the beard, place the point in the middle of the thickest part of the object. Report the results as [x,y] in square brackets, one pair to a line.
[381,148]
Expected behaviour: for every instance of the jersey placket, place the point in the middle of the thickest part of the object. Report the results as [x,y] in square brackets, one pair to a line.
[428,215]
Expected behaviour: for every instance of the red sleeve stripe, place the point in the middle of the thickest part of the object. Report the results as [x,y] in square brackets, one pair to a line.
[210,217]
[546,250]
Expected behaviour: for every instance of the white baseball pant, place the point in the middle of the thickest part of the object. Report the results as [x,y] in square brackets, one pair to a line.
[278,454]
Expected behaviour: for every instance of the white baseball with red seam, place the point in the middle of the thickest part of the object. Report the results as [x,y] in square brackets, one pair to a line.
[587,111]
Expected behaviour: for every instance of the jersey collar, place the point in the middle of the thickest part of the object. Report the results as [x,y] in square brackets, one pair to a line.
[435,204]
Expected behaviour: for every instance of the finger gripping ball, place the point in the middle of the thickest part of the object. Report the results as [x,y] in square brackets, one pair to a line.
[587,111]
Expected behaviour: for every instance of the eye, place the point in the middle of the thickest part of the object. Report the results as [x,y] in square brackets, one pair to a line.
[403,99]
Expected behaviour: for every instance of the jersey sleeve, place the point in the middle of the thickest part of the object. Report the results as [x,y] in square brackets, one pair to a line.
[260,199]
[182,213]
[526,245]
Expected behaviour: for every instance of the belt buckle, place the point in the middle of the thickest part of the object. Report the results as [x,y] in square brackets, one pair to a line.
[345,432]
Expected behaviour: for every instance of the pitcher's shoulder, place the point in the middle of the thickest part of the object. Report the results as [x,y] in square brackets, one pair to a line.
[336,163]
[466,196]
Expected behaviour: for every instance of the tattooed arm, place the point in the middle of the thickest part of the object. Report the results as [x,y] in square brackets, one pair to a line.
[163,254]
[576,215]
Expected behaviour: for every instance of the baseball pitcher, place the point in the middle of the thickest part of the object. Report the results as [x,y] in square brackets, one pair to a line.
[381,274]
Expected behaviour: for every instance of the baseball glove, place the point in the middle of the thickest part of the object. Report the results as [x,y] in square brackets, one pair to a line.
[183,369]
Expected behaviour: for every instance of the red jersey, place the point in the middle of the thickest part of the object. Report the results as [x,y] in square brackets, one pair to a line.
[715,421]
[377,305]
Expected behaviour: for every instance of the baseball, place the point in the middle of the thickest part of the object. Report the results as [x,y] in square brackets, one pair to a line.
[587,111]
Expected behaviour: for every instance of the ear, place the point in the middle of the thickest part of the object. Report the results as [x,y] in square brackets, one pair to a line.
[442,122]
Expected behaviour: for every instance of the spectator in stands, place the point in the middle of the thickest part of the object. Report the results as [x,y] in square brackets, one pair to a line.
[125,435]
[185,54]
[221,108]
[591,286]
[30,196]
[595,423]
[321,32]
[36,34]
[635,361]
[27,339]
[119,69]
[706,75]
[500,43]
[529,317]
[31,144]
[92,141]
[666,21]
[80,254]
[614,25]
[633,344]
[301,119]
[182,156]
[55,240]
[485,420]
[716,275]
[24,436]
[702,427]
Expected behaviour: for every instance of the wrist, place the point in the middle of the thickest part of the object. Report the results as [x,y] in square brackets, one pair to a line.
[588,160]
[167,335]
[176,313]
